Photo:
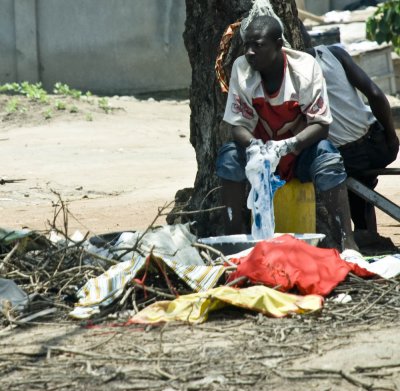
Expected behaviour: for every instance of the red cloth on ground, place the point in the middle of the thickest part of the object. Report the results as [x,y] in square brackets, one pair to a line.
[290,262]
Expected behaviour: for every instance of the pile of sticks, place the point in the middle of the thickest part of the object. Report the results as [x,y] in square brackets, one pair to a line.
[51,274]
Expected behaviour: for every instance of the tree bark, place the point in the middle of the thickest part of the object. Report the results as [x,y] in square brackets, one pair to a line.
[206,21]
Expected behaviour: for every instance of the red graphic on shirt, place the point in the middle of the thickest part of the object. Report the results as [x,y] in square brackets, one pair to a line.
[278,115]
[241,107]
[317,108]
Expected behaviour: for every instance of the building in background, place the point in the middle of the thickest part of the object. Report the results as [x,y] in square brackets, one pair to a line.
[105,46]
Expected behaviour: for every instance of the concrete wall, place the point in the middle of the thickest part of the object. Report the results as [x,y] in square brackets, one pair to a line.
[320,7]
[106,46]
[8,65]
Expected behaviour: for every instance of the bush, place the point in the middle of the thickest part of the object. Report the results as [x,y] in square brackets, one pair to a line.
[384,24]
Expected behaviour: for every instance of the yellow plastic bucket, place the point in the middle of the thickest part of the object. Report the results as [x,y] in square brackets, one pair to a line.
[294,207]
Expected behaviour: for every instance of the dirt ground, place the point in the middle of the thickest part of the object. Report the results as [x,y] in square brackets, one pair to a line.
[115,170]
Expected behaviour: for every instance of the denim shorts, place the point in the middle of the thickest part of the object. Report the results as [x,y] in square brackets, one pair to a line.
[320,163]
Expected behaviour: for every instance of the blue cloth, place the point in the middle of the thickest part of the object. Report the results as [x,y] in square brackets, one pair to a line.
[320,163]
[263,186]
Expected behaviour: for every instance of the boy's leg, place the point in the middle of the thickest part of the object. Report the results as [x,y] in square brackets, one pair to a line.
[234,197]
[336,203]
[231,163]
[323,165]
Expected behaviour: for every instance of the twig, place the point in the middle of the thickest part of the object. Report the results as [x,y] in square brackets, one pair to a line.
[193,212]
[219,253]
[237,280]
[207,258]
[209,193]
[376,301]
[9,255]
[39,314]
[3,181]
[134,247]
[153,290]
[127,293]
[101,258]
[63,349]
[374,367]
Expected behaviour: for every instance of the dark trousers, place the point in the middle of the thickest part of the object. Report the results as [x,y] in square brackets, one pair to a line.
[369,152]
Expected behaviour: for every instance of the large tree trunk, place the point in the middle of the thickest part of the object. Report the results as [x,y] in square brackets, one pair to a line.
[206,21]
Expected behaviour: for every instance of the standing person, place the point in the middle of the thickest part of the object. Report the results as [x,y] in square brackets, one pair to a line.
[278,95]
[364,135]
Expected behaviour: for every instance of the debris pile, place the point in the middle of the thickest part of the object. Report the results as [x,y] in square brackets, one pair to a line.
[117,275]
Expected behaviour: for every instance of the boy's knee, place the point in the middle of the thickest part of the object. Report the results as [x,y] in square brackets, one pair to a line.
[327,169]
[231,162]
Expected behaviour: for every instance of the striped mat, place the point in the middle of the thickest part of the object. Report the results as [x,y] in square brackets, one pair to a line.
[103,290]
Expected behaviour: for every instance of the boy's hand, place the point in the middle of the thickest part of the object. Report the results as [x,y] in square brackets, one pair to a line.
[282,147]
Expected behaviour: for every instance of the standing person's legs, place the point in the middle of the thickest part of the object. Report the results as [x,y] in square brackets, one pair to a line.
[369,152]
[322,164]
[363,212]
[231,163]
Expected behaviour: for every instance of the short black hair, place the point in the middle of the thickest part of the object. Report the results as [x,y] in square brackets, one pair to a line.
[268,25]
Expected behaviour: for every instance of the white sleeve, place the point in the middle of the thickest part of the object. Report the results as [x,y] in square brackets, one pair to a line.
[239,110]
[314,101]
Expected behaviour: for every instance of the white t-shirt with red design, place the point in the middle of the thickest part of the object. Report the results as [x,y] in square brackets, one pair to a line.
[300,101]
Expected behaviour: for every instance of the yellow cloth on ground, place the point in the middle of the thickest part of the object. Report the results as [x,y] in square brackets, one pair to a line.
[106,288]
[194,308]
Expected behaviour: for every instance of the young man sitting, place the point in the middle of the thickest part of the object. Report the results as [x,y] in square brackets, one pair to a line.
[279,96]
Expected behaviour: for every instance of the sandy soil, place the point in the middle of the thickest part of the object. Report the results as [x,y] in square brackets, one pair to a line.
[115,171]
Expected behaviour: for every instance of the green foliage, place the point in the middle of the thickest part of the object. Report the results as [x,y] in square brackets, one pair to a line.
[384,24]
[48,114]
[60,105]
[9,87]
[12,105]
[104,105]
[34,92]
[64,89]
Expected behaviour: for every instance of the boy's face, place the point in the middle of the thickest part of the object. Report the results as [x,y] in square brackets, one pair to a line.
[260,50]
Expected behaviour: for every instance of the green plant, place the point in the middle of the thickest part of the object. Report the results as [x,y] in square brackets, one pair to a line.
[60,105]
[10,87]
[73,109]
[34,92]
[89,117]
[384,24]
[12,105]
[64,89]
[104,105]
[48,114]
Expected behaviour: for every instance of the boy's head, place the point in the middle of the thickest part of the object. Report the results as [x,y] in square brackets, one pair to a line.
[263,42]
